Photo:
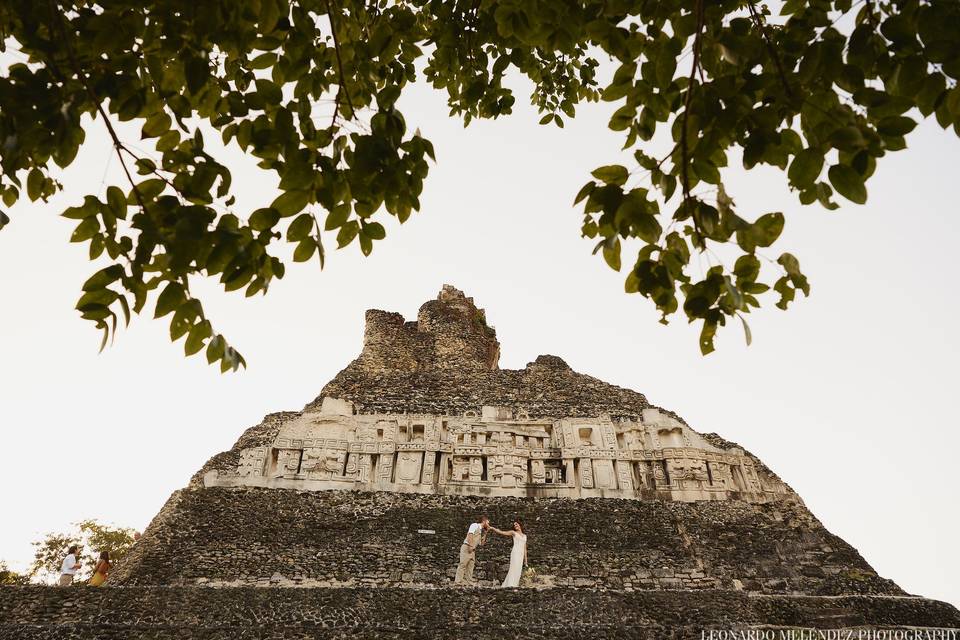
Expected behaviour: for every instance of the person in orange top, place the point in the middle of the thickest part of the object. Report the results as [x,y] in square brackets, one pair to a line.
[101,570]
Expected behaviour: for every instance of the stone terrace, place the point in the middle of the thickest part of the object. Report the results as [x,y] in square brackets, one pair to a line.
[273,537]
[248,613]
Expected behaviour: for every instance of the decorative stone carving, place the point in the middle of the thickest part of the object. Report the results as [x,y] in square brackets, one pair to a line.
[603,474]
[323,464]
[687,473]
[586,473]
[476,469]
[408,466]
[288,462]
[384,470]
[499,453]
[252,462]
[660,475]
[624,477]
[555,472]
[537,472]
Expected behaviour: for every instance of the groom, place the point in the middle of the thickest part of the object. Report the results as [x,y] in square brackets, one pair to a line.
[476,536]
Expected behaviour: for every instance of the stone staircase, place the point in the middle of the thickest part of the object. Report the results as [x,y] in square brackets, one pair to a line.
[251,613]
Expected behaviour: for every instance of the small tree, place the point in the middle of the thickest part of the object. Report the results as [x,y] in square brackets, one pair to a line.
[8,576]
[91,536]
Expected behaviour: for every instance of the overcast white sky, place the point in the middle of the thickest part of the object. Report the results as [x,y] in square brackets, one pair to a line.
[850,396]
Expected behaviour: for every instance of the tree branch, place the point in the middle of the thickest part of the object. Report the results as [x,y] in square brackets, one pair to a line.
[684,150]
[118,146]
[871,15]
[336,48]
[764,33]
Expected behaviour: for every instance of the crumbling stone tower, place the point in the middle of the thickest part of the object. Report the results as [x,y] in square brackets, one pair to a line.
[346,517]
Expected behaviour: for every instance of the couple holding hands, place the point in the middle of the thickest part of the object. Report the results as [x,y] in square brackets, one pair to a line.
[476,536]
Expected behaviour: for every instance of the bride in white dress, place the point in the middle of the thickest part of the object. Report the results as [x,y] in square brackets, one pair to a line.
[518,555]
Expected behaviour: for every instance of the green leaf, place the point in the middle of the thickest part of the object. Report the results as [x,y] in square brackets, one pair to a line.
[195,340]
[304,250]
[622,118]
[707,333]
[585,191]
[269,91]
[747,334]
[269,15]
[374,231]
[347,233]
[10,196]
[291,202]
[263,61]
[215,348]
[170,299]
[35,182]
[196,71]
[263,219]
[145,166]
[4,219]
[366,245]
[156,125]
[300,228]
[792,266]
[767,229]
[805,168]
[117,201]
[611,174]
[337,217]
[103,277]
[150,189]
[747,268]
[611,253]
[896,126]
[706,171]
[85,230]
[848,183]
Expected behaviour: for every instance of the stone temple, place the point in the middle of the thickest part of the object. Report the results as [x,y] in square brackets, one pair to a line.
[425,409]
[345,519]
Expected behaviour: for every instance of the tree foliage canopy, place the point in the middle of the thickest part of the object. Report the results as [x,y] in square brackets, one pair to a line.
[821,90]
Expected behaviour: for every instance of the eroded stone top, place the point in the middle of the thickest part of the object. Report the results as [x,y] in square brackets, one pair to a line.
[449,333]
[446,362]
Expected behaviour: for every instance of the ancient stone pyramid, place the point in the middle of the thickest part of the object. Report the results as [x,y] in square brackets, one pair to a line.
[345,518]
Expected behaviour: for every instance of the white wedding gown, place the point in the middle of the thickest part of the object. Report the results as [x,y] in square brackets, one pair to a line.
[516,561]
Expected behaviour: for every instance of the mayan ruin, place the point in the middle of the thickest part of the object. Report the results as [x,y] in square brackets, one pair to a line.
[574,437]
[344,518]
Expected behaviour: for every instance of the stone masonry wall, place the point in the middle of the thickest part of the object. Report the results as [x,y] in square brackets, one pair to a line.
[450,333]
[446,362]
[197,613]
[284,537]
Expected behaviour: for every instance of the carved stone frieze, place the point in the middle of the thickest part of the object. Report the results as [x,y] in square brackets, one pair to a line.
[498,451]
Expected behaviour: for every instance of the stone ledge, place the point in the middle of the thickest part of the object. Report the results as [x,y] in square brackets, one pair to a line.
[188,613]
[251,536]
